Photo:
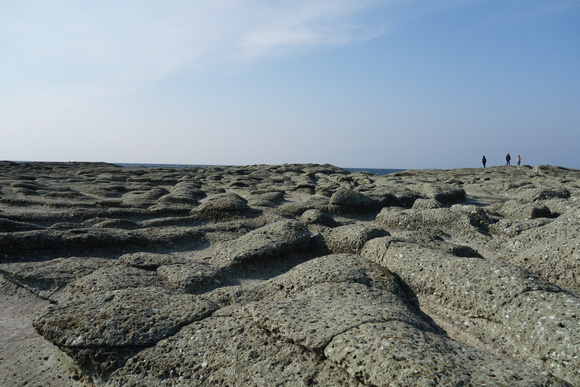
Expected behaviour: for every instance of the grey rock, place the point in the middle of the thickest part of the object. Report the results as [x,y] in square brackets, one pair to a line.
[538,194]
[114,277]
[443,193]
[332,268]
[424,204]
[193,277]
[509,228]
[228,350]
[223,207]
[350,239]
[394,353]
[485,300]
[268,198]
[314,316]
[386,197]
[184,192]
[178,221]
[348,201]
[7,225]
[341,326]
[465,221]
[314,216]
[490,255]
[278,238]
[92,240]
[551,249]
[516,210]
[101,330]
[150,261]
[143,198]
[48,278]
[296,208]
[115,223]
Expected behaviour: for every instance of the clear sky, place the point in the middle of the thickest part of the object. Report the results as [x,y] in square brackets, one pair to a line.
[354,83]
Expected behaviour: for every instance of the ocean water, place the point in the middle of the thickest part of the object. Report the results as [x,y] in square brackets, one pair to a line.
[374,171]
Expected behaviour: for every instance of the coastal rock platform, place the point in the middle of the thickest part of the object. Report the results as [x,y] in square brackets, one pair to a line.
[288,275]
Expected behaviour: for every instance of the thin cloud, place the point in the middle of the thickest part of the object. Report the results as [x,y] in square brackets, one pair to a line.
[125,41]
[308,24]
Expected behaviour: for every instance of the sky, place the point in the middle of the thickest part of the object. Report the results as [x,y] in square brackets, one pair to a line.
[354,83]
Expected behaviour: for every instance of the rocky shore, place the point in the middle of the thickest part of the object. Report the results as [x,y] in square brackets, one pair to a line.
[288,275]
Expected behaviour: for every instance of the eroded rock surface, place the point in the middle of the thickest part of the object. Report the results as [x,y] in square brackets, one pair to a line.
[298,274]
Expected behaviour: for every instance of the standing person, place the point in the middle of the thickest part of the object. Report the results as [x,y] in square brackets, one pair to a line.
[519,160]
[508,159]
[483,161]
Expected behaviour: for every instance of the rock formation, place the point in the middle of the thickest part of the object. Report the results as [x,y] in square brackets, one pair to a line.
[298,275]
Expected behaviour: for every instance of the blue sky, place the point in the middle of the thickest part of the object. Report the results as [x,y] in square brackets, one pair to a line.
[355,83]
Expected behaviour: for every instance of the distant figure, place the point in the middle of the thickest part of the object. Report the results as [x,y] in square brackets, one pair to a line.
[483,161]
[508,159]
[519,160]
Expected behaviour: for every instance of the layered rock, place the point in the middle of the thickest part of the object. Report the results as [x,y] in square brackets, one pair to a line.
[299,274]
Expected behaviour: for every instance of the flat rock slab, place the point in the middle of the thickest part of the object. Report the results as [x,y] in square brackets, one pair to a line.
[229,350]
[47,278]
[278,238]
[494,301]
[101,330]
[334,332]
[316,315]
[395,354]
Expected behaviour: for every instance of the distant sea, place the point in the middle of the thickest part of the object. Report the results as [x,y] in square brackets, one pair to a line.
[374,171]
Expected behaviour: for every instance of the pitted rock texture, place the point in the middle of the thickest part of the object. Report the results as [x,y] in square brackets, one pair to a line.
[116,324]
[297,274]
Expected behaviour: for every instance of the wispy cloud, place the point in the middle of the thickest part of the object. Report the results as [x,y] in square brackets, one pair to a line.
[314,23]
[133,41]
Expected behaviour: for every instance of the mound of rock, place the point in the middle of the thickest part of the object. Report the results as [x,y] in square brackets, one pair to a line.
[278,238]
[223,207]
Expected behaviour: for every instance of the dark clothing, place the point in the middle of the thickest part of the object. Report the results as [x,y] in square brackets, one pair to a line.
[507,159]
[483,161]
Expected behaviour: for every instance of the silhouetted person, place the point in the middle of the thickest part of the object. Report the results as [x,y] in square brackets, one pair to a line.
[519,160]
[484,161]
[508,159]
